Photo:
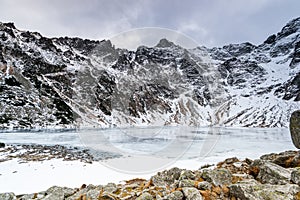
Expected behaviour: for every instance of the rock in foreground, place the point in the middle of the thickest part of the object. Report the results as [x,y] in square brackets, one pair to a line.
[295,128]
[232,179]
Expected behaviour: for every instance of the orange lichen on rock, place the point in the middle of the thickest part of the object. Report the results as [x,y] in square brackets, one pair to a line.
[205,194]
[217,190]
[254,170]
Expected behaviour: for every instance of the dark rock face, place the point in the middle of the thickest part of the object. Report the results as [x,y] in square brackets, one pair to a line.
[295,128]
[236,50]
[290,90]
[284,42]
[239,73]
[271,39]
[232,51]
[290,28]
[296,55]
[69,82]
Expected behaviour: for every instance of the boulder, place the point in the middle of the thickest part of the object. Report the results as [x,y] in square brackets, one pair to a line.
[110,188]
[204,185]
[191,193]
[252,189]
[295,128]
[8,196]
[93,194]
[58,193]
[90,191]
[32,196]
[187,183]
[145,196]
[166,178]
[295,176]
[271,173]
[176,195]
[218,177]
[2,145]
[187,174]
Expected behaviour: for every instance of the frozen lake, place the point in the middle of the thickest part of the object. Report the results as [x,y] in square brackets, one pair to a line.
[149,149]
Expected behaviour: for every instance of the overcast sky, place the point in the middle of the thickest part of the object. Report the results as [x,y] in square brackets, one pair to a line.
[208,22]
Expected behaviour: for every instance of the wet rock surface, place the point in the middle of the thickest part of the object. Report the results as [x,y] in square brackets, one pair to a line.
[231,179]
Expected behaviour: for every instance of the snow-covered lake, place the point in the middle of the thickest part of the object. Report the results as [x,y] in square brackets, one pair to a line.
[144,151]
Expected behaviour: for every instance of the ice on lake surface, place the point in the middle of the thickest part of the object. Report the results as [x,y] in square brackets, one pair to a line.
[146,149]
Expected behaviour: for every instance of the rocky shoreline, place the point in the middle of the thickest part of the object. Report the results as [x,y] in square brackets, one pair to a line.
[272,176]
[37,152]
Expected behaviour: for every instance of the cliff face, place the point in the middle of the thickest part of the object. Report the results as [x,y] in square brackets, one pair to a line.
[46,82]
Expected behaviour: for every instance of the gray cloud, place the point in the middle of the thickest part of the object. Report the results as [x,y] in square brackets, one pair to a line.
[209,22]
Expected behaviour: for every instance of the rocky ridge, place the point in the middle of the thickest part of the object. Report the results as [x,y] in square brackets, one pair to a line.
[272,177]
[73,82]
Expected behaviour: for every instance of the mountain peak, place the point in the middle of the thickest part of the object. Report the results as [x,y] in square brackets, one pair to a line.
[294,22]
[163,43]
[291,27]
[8,24]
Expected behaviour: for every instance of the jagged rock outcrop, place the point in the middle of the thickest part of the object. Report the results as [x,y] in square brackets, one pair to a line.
[71,82]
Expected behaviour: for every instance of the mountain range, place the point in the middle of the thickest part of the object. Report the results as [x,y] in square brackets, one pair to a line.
[74,82]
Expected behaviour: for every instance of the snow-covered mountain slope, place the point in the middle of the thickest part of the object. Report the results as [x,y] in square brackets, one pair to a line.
[71,82]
